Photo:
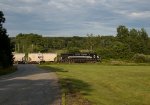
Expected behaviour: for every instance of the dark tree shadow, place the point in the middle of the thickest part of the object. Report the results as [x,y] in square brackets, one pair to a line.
[71,85]
[74,89]
[53,69]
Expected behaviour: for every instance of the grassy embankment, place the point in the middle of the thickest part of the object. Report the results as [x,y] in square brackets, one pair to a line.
[85,84]
[7,70]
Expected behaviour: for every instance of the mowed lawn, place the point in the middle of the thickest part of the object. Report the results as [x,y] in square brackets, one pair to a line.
[108,85]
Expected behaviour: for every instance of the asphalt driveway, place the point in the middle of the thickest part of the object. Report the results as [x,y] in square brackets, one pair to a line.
[29,86]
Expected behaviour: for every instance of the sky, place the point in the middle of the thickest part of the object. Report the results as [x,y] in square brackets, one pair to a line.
[74,17]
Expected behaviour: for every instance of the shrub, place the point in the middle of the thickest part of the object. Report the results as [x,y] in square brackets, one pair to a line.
[73,50]
[141,58]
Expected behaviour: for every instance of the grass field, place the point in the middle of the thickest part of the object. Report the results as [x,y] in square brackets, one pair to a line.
[105,85]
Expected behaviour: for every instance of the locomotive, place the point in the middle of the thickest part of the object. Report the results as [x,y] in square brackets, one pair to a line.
[79,57]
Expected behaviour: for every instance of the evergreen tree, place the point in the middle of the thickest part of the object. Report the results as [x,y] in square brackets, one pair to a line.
[6,57]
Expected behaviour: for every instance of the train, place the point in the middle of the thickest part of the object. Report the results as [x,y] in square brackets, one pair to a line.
[34,57]
[79,57]
[53,57]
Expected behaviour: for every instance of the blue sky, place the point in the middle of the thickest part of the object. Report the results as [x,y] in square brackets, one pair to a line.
[74,17]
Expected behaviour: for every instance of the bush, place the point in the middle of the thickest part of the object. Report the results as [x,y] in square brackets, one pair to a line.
[141,58]
[73,50]
[105,53]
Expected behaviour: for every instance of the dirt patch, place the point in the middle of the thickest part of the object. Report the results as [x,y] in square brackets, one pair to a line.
[74,91]
[76,99]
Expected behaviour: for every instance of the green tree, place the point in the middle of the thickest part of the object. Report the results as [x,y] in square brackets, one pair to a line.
[144,40]
[121,50]
[122,33]
[6,57]
[133,40]
[90,42]
[29,43]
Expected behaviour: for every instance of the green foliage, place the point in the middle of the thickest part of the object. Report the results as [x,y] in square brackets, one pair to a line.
[35,43]
[127,43]
[122,33]
[73,50]
[105,53]
[137,40]
[6,57]
[116,51]
[29,43]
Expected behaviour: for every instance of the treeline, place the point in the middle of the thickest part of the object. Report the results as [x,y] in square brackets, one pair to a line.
[124,45]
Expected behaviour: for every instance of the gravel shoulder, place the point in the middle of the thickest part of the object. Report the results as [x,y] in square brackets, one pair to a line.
[30,86]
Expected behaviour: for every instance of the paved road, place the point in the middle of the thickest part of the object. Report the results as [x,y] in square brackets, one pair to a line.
[29,86]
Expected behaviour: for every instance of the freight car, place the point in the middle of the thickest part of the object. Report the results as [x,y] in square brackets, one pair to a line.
[34,57]
[79,57]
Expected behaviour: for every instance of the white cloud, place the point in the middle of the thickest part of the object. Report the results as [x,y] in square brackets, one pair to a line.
[71,4]
[74,16]
[16,7]
[28,1]
[56,4]
[142,15]
[91,1]
[62,4]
